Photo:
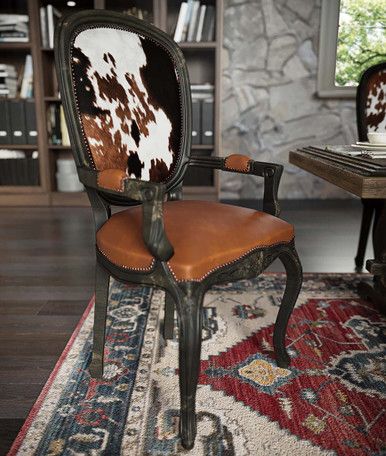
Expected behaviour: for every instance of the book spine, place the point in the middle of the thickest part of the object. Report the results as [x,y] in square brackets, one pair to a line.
[187,20]
[26,85]
[5,126]
[50,25]
[180,22]
[17,117]
[207,121]
[193,21]
[43,26]
[30,121]
[196,121]
[63,129]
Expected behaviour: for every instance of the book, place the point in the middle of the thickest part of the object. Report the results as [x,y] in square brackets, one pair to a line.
[63,129]
[17,120]
[180,22]
[26,90]
[187,20]
[200,23]
[207,121]
[193,21]
[14,28]
[43,27]
[5,125]
[196,121]
[53,127]
[30,121]
[53,16]
[8,80]
[209,22]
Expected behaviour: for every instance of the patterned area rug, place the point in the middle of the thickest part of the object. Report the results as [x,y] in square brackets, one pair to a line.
[331,401]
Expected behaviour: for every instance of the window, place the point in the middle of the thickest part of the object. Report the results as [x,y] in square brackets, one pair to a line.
[352,38]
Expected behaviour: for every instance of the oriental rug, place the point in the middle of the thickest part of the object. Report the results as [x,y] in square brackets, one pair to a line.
[331,401]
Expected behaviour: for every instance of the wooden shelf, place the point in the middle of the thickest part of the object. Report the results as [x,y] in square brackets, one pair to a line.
[53,99]
[20,189]
[46,49]
[69,199]
[15,46]
[199,45]
[203,146]
[19,146]
[57,147]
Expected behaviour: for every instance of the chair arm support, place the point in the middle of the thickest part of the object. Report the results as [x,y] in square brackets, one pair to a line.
[271,172]
[150,194]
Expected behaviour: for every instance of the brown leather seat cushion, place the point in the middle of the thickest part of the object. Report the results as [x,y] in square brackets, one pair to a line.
[205,236]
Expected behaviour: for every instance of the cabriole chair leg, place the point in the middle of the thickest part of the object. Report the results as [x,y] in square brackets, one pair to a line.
[102,281]
[169,316]
[189,309]
[293,269]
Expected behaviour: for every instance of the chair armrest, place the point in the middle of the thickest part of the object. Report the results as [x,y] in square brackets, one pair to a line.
[150,194]
[245,165]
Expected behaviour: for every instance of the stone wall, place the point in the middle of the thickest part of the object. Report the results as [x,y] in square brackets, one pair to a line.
[269,104]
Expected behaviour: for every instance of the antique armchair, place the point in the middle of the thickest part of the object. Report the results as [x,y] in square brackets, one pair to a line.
[371,116]
[126,97]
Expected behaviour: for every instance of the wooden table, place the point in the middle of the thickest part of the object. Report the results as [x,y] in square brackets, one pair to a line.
[365,178]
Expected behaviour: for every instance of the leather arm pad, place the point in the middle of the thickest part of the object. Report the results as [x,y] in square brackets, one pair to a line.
[112,179]
[238,162]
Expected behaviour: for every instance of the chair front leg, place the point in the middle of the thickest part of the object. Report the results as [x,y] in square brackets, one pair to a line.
[102,281]
[189,309]
[293,268]
[169,316]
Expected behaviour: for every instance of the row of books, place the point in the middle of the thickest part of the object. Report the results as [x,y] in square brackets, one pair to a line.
[56,126]
[14,28]
[18,122]
[19,167]
[49,17]
[196,22]
[14,85]
[202,114]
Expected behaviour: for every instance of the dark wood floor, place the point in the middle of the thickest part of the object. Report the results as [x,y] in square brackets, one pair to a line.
[46,281]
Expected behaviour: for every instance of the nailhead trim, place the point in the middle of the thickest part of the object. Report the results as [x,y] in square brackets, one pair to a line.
[148,268]
[127,29]
[207,273]
[227,263]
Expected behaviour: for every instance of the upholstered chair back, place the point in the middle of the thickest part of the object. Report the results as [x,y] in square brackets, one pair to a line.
[371,101]
[131,111]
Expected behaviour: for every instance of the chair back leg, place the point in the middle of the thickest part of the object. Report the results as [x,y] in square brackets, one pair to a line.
[102,281]
[168,327]
[293,268]
[367,216]
[189,310]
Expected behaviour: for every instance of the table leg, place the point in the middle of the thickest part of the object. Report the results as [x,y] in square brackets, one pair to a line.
[377,292]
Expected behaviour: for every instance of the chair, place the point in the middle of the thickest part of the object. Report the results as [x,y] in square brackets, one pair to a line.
[371,116]
[126,98]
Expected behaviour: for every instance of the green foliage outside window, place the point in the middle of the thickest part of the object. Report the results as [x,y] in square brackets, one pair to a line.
[361,39]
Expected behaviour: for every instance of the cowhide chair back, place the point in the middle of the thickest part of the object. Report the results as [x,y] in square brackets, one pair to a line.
[371,101]
[132,100]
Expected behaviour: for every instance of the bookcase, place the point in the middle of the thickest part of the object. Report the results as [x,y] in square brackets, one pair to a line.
[203,60]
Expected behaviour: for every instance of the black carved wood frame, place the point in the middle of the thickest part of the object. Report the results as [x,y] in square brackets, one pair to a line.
[184,296]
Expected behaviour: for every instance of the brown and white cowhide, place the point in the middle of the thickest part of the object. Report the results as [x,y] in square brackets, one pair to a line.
[376,102]
[128,100]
